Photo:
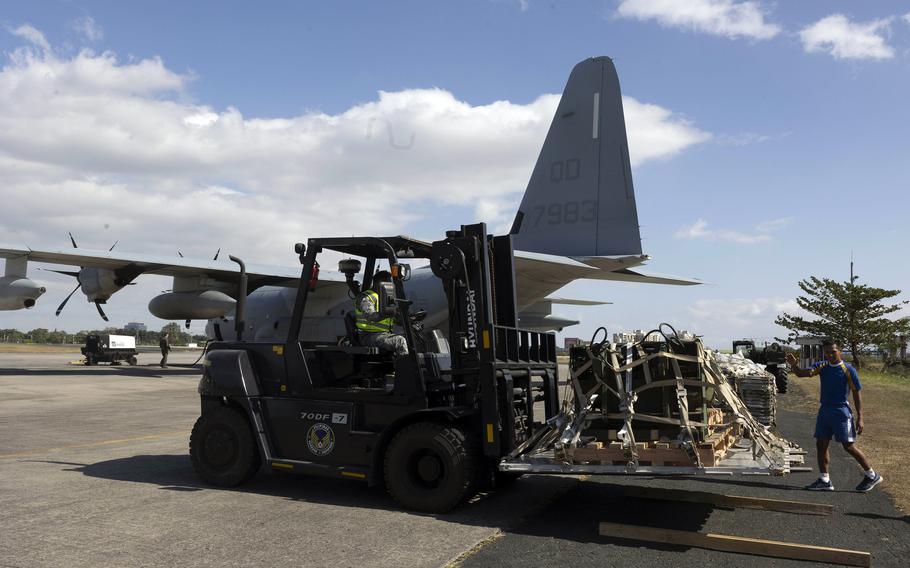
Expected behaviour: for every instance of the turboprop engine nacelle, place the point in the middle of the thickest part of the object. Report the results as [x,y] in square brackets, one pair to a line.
[99,284]
[205,304]
[17,292]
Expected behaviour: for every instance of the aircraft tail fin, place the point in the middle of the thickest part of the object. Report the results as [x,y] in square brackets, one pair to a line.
[580,200]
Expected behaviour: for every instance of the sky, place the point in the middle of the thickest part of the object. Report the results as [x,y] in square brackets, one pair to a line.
[768,139]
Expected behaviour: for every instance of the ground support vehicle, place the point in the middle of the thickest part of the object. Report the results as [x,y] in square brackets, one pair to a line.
[113,349]
[772,356]
[432,426]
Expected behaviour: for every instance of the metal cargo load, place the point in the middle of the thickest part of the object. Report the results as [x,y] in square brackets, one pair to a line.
[656,407]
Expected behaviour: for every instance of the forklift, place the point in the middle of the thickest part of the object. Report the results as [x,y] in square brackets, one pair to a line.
[432,426]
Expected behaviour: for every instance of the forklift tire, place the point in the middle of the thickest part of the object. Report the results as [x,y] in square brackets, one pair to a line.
[781,377]
[132,361]
[432,467]
[222,448]
[89,360]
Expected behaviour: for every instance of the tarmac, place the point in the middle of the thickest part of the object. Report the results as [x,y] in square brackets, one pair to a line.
[94,471]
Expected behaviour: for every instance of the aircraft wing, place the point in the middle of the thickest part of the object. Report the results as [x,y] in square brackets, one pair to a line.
[538,275]
[224,271]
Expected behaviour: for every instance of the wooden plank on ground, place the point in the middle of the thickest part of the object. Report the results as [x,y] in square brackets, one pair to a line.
[738,544]
[800,507]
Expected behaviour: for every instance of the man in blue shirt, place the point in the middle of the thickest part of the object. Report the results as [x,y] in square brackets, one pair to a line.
[834,417]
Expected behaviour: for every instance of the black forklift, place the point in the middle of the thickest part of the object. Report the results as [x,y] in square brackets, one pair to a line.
[772,356]
[432,425]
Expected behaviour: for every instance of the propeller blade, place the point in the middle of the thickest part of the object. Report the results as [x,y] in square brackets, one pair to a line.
[101,312]
[72,240]
[187,323]
[217,252]
[73,273]
[113,245]
[180,254]
[67,299]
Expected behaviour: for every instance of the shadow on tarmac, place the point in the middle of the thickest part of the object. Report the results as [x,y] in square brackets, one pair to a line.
[576,517]
[108,370]
[175,473]
[877,517]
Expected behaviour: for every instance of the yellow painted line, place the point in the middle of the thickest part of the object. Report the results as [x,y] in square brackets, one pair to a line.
[490,433]
[95,444]
[282,465]
[354,474]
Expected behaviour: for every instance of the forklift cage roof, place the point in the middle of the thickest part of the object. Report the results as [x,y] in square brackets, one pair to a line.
[391,247]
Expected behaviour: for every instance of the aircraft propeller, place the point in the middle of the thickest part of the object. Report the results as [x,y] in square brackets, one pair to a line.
[75,275]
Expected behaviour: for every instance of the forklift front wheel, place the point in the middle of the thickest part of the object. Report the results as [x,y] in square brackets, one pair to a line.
[431,467]
[222,448]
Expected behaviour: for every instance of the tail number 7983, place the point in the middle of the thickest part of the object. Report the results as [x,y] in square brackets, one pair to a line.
[565,213]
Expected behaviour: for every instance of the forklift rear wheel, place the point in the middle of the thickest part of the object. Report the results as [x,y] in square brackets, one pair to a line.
[432,467]
[222,448]
[132,361]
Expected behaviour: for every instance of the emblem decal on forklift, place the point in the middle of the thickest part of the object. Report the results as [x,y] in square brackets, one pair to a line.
[320,439]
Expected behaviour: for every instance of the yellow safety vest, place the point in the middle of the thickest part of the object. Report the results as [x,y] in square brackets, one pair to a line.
[363,324]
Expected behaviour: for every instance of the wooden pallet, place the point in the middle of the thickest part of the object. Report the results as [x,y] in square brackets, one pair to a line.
[660,451]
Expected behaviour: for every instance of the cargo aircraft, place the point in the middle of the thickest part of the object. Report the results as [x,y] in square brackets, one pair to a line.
[577,220]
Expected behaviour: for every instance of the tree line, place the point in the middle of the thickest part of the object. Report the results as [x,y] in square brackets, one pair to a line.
[854,315]
[178,336]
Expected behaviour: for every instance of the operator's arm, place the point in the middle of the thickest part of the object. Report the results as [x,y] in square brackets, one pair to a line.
[794,366]
[370,311]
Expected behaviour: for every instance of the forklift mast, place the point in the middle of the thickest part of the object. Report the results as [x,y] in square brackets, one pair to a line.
[504,369]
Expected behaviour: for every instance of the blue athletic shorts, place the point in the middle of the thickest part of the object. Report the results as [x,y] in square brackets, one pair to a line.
[835,422]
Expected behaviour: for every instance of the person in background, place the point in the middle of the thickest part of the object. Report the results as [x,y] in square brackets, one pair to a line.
[165,347]
[835,420]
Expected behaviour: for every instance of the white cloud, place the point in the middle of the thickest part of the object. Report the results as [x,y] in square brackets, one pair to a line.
[88,28]
[111,150]
[655,132]
[735,318]
[718,17]
[907,17]
[844,39]
[741,309]
[699,230]
[32,35]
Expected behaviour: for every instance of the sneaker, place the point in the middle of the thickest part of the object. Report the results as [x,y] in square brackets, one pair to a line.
[868,483]
[820,485]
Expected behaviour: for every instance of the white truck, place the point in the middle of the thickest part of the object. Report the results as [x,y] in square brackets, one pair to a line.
[113,349]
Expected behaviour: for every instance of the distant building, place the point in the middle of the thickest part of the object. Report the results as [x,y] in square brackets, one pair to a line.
[571,342]
[810,349]
[135,326]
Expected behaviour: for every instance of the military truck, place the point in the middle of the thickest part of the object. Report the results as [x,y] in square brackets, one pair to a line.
[113,349]
[772,356]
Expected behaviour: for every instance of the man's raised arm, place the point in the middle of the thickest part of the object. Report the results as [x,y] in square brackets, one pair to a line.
[794,366]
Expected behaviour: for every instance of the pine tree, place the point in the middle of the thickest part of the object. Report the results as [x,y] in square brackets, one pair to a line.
[851,314]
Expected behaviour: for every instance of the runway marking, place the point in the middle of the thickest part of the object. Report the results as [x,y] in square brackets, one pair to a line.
[95,444]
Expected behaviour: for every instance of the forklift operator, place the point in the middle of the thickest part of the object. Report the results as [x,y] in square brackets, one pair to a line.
[374,329]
